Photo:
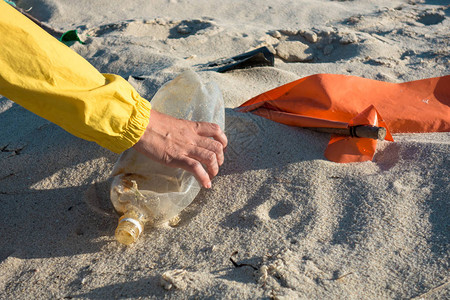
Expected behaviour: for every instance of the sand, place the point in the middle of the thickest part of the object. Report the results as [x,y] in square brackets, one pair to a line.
[280,221]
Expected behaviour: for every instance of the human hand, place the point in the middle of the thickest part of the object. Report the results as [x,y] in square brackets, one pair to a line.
[184,144]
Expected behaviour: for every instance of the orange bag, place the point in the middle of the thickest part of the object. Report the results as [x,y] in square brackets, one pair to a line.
[340,101]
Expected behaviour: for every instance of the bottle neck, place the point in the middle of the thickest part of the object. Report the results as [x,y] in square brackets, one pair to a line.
[130,227]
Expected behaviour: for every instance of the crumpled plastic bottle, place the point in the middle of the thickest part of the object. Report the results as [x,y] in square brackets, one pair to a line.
[145,191]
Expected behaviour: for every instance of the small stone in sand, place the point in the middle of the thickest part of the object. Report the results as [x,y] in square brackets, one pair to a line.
[310,36]
[275,33]
[324,30]
[184,29]
[348,38]
[174,279]
[293,51]
[289,31]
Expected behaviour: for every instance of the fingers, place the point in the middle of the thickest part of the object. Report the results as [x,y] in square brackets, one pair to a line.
[212,130]
[196,168]
[213,146]
[196,147]
[206,158]
[195,160]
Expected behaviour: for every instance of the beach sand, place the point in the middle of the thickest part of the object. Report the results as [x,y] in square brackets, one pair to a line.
[280,221]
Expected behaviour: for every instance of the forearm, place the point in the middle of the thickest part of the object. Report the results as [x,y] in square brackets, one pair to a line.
[48,78]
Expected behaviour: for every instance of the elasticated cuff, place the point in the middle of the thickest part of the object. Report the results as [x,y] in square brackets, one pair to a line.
[135,128]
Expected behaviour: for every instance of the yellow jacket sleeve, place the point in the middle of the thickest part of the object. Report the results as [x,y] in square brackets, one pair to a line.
[46,77]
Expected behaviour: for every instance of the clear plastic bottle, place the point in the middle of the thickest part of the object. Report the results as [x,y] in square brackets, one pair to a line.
[144,191]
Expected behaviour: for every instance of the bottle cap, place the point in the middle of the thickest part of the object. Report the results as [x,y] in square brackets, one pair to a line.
[133,221]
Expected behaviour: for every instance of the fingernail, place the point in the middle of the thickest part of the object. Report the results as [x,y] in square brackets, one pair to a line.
[208,185]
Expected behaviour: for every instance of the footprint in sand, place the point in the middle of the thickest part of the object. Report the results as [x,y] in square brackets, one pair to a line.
[269,211]
[288,274]
[159,29]
[318,45]
[431,18]
[281,209]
